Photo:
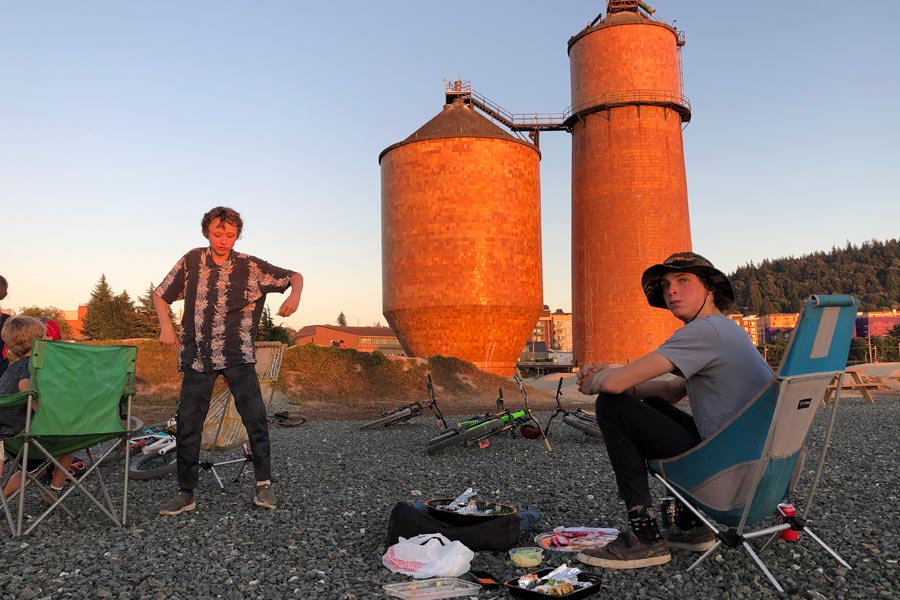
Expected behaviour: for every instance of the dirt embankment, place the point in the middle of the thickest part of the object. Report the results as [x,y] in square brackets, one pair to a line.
[334,383]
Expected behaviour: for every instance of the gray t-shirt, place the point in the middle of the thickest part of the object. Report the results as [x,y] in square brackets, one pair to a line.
[722,368]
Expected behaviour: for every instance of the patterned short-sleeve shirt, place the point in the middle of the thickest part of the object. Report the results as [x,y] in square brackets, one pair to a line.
[222,306]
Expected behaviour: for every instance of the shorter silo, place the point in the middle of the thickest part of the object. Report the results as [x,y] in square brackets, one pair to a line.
[461,240]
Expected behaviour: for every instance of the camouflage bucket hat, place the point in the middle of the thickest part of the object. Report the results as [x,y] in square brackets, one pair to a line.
[686,262]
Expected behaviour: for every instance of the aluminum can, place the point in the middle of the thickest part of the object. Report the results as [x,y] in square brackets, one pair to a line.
[667,511]
[788,510]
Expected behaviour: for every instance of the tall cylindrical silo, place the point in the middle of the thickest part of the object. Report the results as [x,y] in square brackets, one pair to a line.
[461,240]
[629,189]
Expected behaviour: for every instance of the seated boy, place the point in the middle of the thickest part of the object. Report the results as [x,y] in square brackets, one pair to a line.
[19,334]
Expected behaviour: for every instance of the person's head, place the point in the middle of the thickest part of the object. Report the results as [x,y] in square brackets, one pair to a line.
[52,327]
[685,283]
[219,216]
[222,227]
[4,286]
[20,332]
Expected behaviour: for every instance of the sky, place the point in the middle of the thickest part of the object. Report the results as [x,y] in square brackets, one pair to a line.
[121,123]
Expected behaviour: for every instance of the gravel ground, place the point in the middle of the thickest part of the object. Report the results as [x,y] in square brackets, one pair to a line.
[336,487]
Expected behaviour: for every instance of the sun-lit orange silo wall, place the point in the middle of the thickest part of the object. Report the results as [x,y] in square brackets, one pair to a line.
[629,188]
[461,244]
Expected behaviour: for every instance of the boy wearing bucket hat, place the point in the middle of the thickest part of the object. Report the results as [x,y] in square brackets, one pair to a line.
[714,363]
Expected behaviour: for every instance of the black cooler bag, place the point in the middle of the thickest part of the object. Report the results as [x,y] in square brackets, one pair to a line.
[501,533]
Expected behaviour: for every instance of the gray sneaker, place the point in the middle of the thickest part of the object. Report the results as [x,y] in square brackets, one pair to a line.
[695,539]
[627,552]
[265,496]
[182,502]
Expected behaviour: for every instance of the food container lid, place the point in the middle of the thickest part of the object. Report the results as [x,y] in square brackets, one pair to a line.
[432,589]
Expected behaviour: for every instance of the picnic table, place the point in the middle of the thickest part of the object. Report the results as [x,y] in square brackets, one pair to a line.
[855,383]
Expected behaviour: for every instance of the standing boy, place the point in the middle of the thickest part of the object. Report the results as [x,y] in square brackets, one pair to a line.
[224,294]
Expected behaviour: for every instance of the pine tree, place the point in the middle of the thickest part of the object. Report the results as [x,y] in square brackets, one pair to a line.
[97,324]
[125,322]
[269,332]
[265,325]
[342,320]
[147,323]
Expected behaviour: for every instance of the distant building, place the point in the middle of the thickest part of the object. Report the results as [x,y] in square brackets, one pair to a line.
[554,330]
[363,339]
[777,326]
[75,319]
[750,324]
[876,323]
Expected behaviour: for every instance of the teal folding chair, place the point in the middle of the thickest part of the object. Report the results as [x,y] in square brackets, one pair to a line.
[80,392]
[738,476]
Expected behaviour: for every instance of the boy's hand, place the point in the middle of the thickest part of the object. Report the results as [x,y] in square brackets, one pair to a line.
[289,306]
[588,379]
[168,339]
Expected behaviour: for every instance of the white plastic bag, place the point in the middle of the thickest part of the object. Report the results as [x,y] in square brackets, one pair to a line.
[428,555]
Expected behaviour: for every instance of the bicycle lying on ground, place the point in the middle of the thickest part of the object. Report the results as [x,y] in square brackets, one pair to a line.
[409,411]
[103,453]
[479,429]
[584,421]
[153,452]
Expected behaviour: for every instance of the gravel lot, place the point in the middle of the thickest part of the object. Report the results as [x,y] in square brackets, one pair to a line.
[336,487]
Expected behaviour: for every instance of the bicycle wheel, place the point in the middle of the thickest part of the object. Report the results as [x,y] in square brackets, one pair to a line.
[152,465]
[392,417]
[583,424]
[460,436]
[117,455]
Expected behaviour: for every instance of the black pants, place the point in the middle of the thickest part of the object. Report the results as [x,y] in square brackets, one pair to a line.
[636,431]
[196,393]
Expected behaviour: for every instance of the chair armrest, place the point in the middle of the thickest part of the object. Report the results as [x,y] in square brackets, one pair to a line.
[17,398]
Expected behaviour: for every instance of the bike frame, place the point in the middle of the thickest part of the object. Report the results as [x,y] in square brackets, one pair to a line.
[510,419]
[579,413]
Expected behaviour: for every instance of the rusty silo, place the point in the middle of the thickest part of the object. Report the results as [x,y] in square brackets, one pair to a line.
[629,191]
[461,239]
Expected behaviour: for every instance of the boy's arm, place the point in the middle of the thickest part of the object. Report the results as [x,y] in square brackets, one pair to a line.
[593,380]
[167,336]
[290,304]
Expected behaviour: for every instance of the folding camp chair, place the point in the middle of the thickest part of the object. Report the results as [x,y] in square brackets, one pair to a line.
[740,474]
[80,390]
[223,428]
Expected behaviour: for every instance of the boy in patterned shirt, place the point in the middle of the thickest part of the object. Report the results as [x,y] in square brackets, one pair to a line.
[224,293]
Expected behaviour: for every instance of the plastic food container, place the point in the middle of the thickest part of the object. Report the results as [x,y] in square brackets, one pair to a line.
[527,557]
[432,589]
[437,509]
[594,581]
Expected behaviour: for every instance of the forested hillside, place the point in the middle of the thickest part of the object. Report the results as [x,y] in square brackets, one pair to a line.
[870,272]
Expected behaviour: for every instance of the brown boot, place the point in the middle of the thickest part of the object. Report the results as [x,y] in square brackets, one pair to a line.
[640,546]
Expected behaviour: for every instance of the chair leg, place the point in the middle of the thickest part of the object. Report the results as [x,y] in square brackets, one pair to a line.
[762,567]
[705,555]
[819,541]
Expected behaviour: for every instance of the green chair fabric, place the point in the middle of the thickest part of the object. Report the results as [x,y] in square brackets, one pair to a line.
[78,390]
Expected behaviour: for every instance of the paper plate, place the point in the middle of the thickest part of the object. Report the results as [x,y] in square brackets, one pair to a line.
[576,539]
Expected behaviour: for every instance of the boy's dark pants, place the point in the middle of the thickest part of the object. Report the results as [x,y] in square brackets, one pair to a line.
[196,393]
[639,430]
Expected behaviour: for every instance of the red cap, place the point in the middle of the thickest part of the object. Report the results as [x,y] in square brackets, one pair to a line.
[53,331]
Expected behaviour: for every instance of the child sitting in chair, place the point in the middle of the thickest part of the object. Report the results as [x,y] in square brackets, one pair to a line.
[19,334]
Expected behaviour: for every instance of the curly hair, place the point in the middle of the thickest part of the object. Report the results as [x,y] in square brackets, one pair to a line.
[223,214]
[20,332]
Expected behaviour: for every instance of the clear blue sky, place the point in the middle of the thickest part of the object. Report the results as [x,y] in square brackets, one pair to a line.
[121,123]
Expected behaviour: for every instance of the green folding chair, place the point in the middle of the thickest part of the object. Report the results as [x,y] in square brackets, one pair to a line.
[83,392]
